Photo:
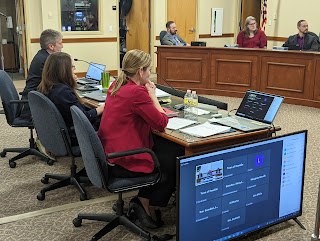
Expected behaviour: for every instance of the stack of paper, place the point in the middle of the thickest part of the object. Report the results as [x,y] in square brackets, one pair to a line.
[177,123]
[205,130]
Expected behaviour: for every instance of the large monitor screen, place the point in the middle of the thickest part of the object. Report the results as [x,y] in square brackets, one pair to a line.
[227,193]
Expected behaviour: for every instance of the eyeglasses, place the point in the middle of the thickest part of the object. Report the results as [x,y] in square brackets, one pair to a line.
[73,67]
[252,24]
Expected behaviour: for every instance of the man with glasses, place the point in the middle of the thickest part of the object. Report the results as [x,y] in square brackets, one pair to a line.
[304,40]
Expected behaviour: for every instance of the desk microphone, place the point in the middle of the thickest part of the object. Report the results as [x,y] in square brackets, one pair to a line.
[178,94]
[94,66]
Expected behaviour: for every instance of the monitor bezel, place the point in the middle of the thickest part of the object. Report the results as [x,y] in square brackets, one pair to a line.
[230,147]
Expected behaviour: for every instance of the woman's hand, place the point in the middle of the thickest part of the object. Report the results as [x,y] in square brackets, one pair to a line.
[151,88]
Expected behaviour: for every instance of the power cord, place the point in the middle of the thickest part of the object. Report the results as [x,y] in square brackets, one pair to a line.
[231,111]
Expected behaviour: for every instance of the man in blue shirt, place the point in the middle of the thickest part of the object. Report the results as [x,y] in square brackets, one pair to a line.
[171,37]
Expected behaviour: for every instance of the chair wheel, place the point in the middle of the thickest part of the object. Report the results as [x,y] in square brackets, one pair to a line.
[77,222]
[50,162]
[45,180]
[12,164]
[83,197]
[41,196]
[3,154]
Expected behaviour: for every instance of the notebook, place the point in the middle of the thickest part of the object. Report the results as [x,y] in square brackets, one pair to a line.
[256,111]
[93,75]
[96,95]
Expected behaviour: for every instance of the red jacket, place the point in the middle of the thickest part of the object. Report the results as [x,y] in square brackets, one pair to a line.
[258,41]
[126,124]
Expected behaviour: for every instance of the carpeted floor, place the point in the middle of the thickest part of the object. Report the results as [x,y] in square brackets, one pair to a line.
[23,217]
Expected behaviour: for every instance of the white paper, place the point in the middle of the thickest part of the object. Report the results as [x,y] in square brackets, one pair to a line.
[177,123]
[161,93]
[202,112]
[205,130]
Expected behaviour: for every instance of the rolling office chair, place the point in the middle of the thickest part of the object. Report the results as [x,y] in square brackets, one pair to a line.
[100,175]
[162,33]
[53,134]
[11,105]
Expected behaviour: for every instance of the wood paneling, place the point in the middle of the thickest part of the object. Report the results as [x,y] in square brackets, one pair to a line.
[233,72]
[230,72]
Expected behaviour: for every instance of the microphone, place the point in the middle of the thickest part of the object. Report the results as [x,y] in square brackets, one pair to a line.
[81,60]
[176,91]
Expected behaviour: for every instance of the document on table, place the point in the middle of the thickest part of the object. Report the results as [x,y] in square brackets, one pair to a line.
[161,93]
[205,130]
[177,123]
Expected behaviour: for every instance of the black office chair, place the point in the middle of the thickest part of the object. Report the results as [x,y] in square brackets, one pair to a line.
[12,105]
[162,33]
[97,167]
[53,134]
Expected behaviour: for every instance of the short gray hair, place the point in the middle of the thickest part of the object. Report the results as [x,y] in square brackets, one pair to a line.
[49,36]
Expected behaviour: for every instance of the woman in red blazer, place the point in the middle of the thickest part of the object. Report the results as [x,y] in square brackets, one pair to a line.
[132,112]
[251,37]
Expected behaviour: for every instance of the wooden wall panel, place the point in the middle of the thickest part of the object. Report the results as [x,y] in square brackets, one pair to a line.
[317,81]
[287,76]
[234,73]
[182,68]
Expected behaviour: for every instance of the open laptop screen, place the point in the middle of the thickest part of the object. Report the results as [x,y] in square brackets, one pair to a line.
[94,71]
[259,106]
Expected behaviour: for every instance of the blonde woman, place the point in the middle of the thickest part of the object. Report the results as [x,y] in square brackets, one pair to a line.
[133,111]
[251,37]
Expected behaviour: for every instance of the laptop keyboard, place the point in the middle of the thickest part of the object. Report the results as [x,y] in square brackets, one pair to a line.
[242,122]
[87,81]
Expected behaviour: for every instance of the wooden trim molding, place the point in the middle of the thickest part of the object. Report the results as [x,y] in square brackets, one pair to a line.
[81,40]
[224,35]
[157,37]
[273,38]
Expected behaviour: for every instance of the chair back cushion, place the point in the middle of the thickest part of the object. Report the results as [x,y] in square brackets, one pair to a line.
[8,92]
[162,33]
[91,149]
[49,124]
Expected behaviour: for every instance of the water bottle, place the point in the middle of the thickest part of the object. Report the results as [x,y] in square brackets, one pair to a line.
[194,106]
[187,107]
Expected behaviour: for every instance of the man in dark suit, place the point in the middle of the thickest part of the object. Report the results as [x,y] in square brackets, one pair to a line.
[304,40]
[171,37]
[50,42]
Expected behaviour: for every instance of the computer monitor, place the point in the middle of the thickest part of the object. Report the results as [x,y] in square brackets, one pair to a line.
[230,192]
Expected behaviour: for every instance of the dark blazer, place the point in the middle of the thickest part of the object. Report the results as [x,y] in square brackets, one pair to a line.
[63,97]
[33,80]
[168,40]
[310,42]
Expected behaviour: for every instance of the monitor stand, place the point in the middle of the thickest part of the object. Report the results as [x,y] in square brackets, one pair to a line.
[300,224]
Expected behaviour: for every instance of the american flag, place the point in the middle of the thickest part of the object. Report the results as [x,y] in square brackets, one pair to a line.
[263,15]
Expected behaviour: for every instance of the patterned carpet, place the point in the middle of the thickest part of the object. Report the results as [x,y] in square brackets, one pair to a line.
[23,217]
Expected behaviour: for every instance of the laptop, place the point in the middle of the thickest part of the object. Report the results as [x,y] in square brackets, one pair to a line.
[96,95]
[197,43]
[93,75]
[256,111]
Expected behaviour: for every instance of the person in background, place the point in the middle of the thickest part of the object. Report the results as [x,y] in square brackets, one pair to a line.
[251,37]
[133,112]
[50,42]
[171,37]
[58,84]
[305,40]
[91,23]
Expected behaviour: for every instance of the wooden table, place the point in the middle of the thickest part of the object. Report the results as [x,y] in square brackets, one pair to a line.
[192,144]
[232,71]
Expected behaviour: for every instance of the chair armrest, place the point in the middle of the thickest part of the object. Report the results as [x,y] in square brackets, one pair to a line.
[133,152]
[18,101]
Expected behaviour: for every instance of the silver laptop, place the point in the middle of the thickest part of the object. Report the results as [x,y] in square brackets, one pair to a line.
[93,75]
[256,111]
[96,95]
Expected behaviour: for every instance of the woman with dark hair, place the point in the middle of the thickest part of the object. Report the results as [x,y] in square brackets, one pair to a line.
[251,37]
[133,111]
[58,84]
